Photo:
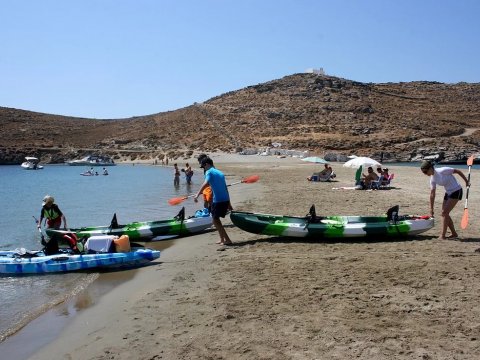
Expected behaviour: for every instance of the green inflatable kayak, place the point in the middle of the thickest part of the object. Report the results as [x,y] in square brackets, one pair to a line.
[146,230]
[318,227]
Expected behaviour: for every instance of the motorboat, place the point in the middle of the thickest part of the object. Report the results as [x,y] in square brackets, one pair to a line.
[93,160]
[31,163]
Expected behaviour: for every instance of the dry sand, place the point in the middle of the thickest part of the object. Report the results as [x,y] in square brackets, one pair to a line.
[271,298]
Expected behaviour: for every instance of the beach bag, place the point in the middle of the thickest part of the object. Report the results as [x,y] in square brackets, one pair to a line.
[122,244]
[202,213]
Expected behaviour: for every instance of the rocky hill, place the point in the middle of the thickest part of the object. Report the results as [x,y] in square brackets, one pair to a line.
[327,115]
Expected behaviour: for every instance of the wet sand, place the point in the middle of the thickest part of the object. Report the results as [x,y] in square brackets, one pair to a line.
[272,298]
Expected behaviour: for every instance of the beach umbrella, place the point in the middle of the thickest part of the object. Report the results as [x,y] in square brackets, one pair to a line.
[355,163]
[315,159]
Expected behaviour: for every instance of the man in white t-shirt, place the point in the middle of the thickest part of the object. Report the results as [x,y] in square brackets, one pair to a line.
[444,176]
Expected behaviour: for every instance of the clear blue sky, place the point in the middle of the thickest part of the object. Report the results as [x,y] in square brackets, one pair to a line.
[123,58]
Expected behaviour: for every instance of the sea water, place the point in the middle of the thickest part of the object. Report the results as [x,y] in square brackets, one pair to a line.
[133,192]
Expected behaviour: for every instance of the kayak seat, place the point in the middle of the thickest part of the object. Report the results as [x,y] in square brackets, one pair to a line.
[181,215]
[312,217]
[114,222]
[392,213]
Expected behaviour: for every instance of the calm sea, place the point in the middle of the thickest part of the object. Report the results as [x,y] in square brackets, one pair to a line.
[134,193]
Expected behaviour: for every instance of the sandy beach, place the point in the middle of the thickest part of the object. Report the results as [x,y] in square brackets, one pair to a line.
[273,298]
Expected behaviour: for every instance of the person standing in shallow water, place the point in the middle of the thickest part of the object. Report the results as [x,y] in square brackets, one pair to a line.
[176,175]
[444,176]
[188,173]
[52,213]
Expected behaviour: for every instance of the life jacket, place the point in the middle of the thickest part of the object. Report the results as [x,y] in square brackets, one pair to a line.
[72,241]
[51,247]
[50,214]
[207,194]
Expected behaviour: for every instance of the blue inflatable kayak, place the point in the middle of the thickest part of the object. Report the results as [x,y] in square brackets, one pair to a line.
[23,262]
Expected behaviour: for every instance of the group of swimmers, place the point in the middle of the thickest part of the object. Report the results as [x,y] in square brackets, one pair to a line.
[93,172]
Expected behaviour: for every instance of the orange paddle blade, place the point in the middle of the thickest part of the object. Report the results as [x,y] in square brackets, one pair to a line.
[177,200]
[464,222]
[470,160]
[251,179]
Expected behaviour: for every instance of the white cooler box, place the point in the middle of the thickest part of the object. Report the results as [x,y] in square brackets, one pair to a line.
[100,244]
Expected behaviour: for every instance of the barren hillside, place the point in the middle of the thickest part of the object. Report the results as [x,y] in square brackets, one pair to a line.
[324,114]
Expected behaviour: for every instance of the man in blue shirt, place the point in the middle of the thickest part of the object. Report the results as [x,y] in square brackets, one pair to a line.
[221,199]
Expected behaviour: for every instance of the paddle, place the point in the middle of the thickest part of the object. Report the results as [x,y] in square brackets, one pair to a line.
[464,223]
[248,180]
[40,231]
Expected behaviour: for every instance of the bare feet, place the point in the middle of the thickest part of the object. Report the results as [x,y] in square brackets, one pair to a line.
[224,243]
[451,237]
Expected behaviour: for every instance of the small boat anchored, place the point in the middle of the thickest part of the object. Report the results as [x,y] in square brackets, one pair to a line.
[31,163]
[93,160]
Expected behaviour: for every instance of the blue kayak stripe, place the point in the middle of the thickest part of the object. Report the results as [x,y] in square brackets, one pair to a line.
[64,263]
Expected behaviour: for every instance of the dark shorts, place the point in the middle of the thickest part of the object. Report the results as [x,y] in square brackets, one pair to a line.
[455,195]
[219,209]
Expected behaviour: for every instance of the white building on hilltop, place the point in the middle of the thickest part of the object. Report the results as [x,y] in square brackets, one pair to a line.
[318,71]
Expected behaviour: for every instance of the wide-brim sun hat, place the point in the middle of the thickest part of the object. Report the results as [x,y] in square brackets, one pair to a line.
[48,200]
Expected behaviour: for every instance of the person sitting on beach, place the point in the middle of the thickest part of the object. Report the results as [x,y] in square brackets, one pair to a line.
[386,176]
[323,175]
[367,179]
[383,172]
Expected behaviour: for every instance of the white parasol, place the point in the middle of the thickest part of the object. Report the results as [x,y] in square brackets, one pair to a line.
[355,163]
